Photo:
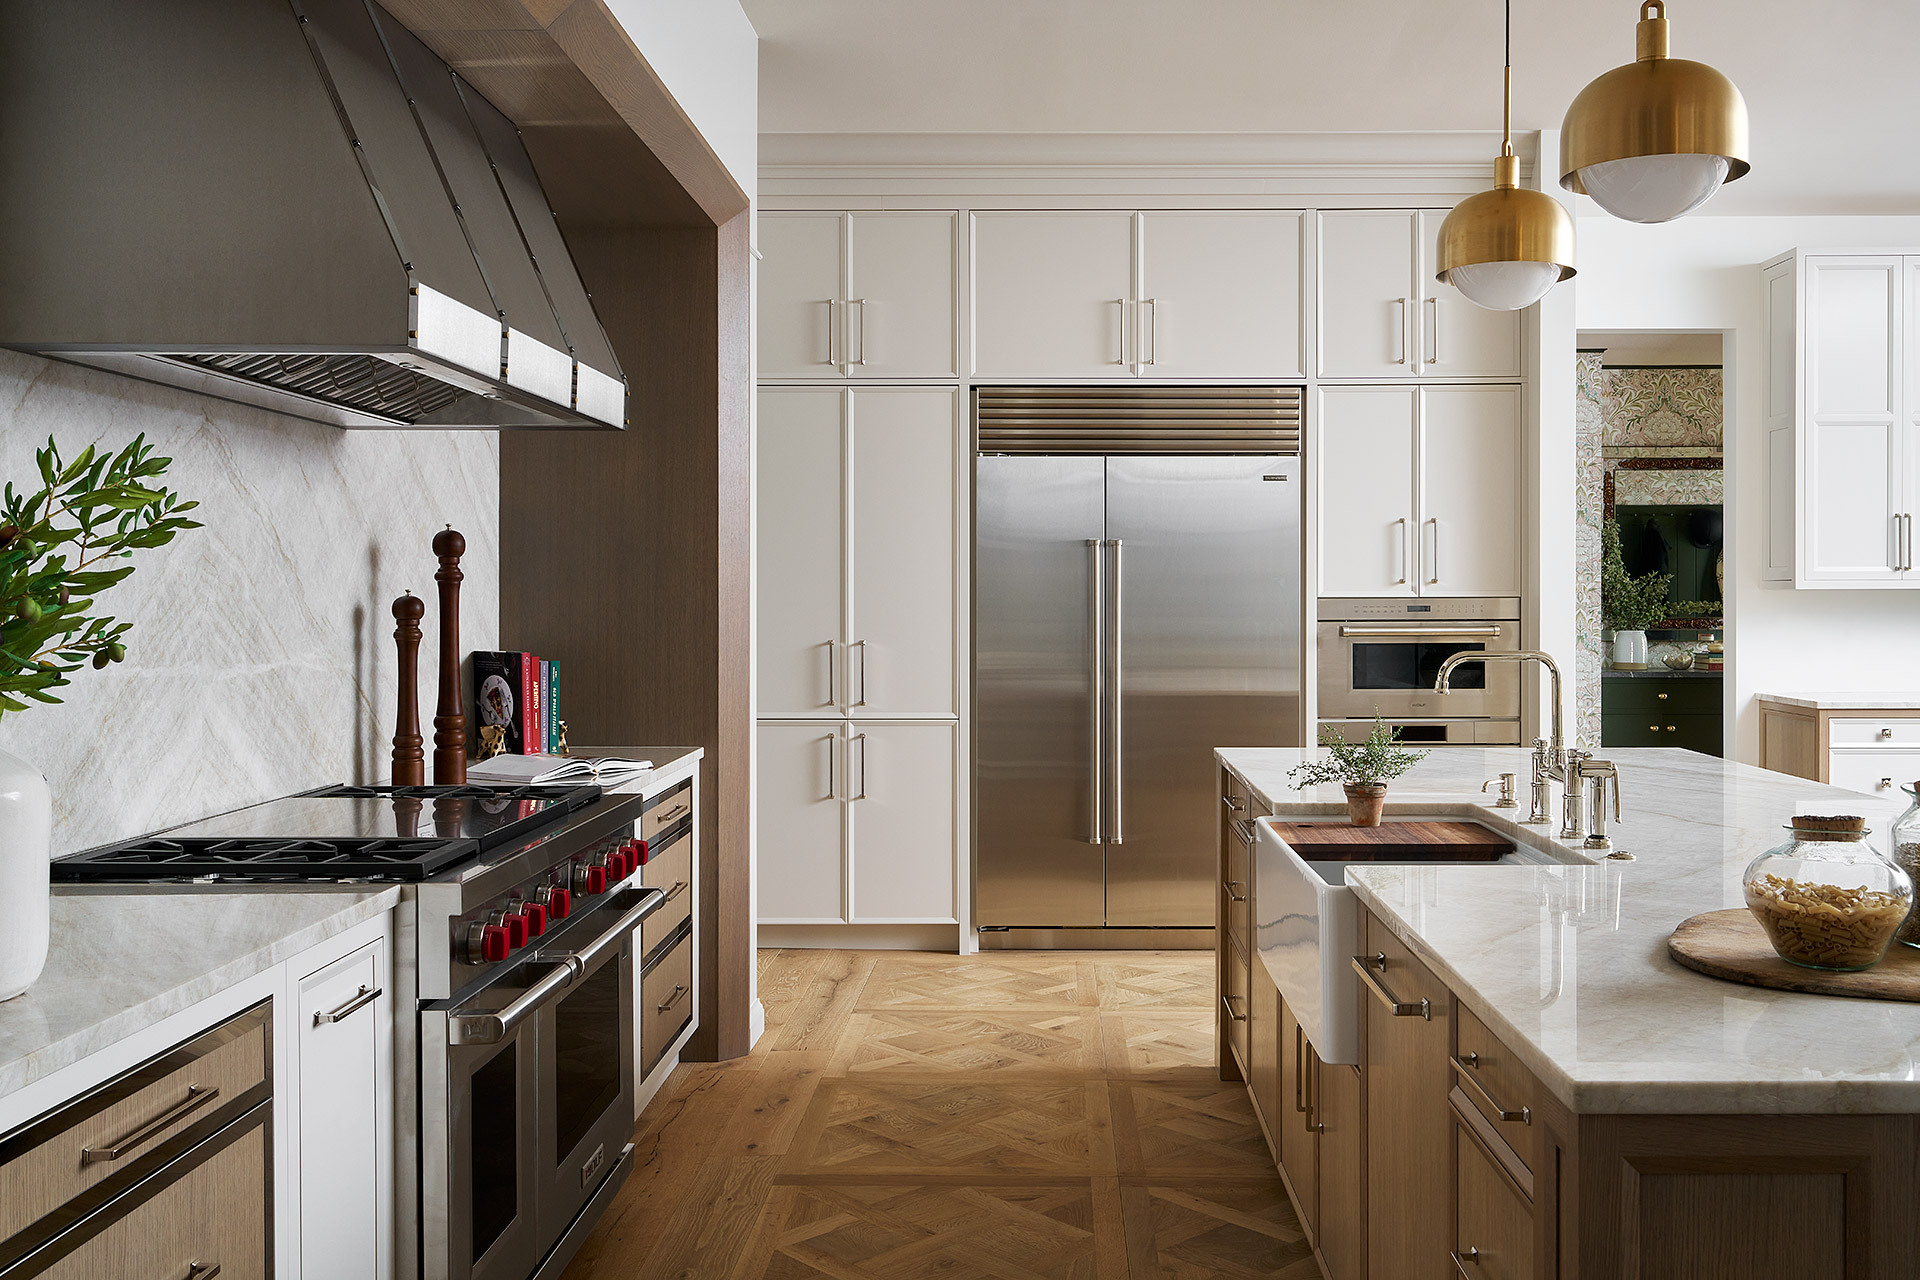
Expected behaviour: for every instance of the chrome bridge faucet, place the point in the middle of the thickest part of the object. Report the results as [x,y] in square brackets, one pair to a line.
[1549,758]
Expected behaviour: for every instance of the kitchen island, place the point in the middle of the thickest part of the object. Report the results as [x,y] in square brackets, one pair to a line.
[1572,1101]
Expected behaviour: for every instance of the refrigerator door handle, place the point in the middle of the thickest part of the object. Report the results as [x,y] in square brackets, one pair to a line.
[1096,649]
[1115,747]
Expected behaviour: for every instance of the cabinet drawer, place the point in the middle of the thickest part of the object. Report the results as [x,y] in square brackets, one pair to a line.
[1693,731]
[1389,960]
[1638,695]
[666,1002]
[667,810]
[1495,1083]
[1234,1007]
[1239,884]
[670,869]
[1878,773]
[214,1215]
[115,1127]
[1493,1234]
[1874,733]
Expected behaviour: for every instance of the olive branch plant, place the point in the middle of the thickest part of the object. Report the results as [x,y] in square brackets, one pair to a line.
[60,548]
[1371,762]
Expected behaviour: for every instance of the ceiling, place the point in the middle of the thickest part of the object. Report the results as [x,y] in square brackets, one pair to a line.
[1830,90]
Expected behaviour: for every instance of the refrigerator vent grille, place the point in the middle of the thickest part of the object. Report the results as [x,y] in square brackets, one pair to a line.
[1156,420]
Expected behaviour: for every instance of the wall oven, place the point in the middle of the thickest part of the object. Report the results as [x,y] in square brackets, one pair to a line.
[1381,657]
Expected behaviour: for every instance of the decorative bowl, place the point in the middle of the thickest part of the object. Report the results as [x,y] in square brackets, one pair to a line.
[1677,661]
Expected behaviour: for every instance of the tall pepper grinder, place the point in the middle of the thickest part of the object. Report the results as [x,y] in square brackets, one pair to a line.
[450,719]
[409,760]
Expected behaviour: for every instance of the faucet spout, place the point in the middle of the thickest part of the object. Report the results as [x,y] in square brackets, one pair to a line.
[1443,683]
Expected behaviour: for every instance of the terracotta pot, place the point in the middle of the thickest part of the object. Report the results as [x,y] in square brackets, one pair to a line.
[1365,800]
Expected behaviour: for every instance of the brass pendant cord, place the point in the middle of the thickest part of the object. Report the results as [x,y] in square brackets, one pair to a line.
[1506,102]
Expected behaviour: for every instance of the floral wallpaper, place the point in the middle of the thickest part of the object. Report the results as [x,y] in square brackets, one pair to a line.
[1660,408]
[1589,504]
[1668,488]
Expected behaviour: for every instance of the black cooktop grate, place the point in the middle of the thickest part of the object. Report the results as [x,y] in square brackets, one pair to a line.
[261,858]
[567,798]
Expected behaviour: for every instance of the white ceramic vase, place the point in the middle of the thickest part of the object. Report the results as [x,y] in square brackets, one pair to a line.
[26,839]
[1629,648]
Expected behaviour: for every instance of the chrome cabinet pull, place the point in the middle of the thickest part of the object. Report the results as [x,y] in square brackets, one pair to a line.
[830,361]
[860,738]
[1228,1002]
[1116,716]
[1886,784]
[1423,1008]
[1464,1066]
[1122,304]
[1231,895]
[1153,330]
[833,673]
[197,1270]
[197,1097]
[1299,1061]
[681,808]
[1433,562]
[1313,1100]
[1400,330]
[862,304]
[1231,803]
[1244,830]
[679,989]
[1887,732]
[1433,330]
[861,645]
[1422,630]
[1461,1259]
[679,887]
[1406,556]
[360,999]
[833,774]
[1096,661]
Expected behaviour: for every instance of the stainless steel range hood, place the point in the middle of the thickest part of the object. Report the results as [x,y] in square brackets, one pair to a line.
[292,205]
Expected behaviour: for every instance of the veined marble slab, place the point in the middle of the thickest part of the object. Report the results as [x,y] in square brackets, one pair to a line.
[120,962]
[1569,966]
[1849,701]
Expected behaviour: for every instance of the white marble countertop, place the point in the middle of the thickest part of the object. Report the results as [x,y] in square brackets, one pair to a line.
[120,962]
[1569,965]
[1908,701]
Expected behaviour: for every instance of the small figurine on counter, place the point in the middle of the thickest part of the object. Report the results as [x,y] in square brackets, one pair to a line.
[493,741]
[560,748]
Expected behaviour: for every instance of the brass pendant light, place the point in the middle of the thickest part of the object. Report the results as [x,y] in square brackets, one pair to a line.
[1505,248]
[1654,139]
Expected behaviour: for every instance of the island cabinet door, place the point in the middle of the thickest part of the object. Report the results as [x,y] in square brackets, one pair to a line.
[1493,1230]
[1404,1048]
[1341,1214]
[1299,1136]
[1263,1051]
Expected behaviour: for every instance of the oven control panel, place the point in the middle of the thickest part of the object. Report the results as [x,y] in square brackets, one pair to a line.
[1432,609]
[496,931]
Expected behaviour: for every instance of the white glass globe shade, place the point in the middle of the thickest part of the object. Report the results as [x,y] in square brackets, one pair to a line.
[1504,286]
[1654,188]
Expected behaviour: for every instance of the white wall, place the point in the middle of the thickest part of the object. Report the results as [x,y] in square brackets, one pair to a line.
[261,660]
[1702,273]
[706,53]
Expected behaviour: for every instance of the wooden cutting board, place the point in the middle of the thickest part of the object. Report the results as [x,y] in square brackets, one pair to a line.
[1394,842]
[1731,945]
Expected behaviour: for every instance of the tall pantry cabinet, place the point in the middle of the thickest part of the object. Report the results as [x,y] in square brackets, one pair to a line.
[861,544]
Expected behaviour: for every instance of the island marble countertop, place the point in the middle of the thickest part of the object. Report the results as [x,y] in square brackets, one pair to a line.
[1908,701]
[120,962]
[1568,964]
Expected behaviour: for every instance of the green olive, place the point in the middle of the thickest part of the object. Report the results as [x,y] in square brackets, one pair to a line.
[29,610]
[117,651]
[100,659]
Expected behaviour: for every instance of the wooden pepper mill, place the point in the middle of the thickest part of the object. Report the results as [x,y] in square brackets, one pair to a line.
[409,759]
[449,718]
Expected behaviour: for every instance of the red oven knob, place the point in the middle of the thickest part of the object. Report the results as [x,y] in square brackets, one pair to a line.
[536,916]
[516,927]
[640,849]
[486,944]
[622,862]
[596,879]
[559,902]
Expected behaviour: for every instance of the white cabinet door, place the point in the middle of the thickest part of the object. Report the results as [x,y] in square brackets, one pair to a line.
[900,304]
[1456,338]
[798,515]
[1852,459]
[1219,294]
[344,1113]
[905,579]
[1469,492]
[1051,294]
[799,324]
[903,801]
[800,823]
[1368,295]
[1366,491]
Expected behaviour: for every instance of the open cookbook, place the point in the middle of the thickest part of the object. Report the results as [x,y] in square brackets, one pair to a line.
[608,771]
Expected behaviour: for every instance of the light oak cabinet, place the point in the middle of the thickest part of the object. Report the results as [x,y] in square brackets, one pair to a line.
[1842,407]
[1384,316]
[860,294]
[1875,750]
[343,1075]
[1173,294]
[1420,491]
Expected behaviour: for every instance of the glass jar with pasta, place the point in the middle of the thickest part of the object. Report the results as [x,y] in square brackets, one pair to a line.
[1826,898]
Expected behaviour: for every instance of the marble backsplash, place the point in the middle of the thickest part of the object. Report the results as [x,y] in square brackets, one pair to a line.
[261,659]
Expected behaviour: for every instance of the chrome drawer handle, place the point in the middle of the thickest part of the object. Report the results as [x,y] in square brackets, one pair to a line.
[1461,1259]
[679,989]
[1242,829]
[197,1270]
[1398,1007]
[1464,1067]
[1231,895]
[360,999]
[197,1097]
[1228,1002]
[679,887]
[1231,803]
[679,811]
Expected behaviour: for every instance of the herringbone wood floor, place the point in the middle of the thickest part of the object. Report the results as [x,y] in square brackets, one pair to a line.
[1006,1116]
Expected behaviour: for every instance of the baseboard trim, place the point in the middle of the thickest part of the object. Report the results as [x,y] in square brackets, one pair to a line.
[1197,939]
[863,937]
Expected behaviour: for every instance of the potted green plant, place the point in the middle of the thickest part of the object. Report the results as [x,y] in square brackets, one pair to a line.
[1630,605]
[61,546]
[1362,768]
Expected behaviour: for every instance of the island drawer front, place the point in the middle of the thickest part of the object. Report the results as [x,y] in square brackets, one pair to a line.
[1239,883]
[1852,732]
[46,1163]
[1493,1229]
[1402,974]
[666,1002]
[671,870]
[1496,1084]
[1234,796]
[668,809]
[1234,1004]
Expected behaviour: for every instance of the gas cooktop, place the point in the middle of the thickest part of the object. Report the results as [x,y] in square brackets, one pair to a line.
[336,833]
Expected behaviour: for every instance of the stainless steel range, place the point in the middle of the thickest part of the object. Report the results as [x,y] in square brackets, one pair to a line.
[516,948]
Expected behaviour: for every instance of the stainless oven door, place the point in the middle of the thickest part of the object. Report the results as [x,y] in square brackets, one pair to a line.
[1388,668]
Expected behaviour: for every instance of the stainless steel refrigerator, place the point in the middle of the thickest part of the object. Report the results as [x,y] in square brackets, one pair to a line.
[1137,603]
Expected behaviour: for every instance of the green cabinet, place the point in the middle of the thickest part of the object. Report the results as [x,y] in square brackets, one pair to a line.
[1662,711]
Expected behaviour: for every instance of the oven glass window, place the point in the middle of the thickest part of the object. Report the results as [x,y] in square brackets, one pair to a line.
[494,1142]
[1404,664]
[587,1052]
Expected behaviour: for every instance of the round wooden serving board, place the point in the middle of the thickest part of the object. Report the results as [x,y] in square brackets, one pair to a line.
[1731,945]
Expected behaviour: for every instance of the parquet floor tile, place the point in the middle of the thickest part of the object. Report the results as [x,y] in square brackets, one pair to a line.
[1163,1044]
[1243,1230]
[1181,980]
[873,1126]
[909,981]
[981,1043]
[1193,1130]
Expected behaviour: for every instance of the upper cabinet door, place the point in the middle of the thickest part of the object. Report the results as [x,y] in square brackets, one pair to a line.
[802,331]
[799,503]
[1366,491]
[906,568]
[1219,295]
[1051,294]
[1469,531]
[1368,295]
[900,303]
[1853,455]
[1457,339]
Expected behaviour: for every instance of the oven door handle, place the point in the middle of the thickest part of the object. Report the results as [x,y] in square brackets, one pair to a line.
[492,1028]
[1484,633]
